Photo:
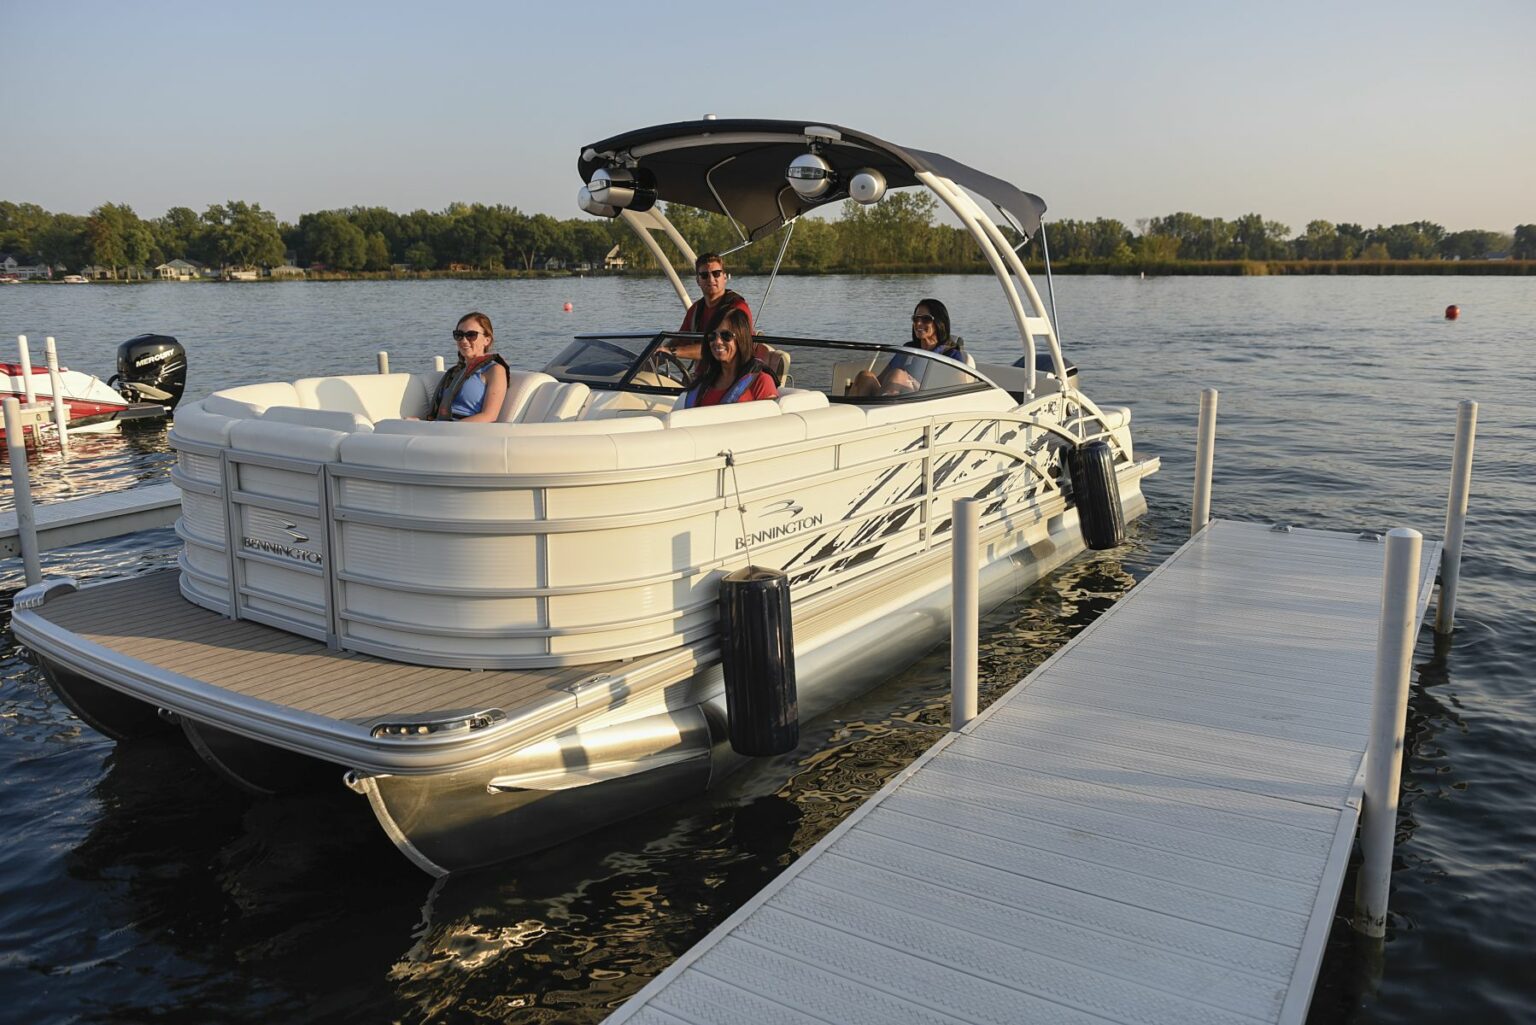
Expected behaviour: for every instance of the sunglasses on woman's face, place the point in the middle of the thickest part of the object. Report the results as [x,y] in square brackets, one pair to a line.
[724,336]
[921,318]
[465,336]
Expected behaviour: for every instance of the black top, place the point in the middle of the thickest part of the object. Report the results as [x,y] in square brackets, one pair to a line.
[745,159]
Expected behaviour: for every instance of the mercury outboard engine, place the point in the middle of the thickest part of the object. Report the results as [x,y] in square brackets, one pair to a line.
[151,368]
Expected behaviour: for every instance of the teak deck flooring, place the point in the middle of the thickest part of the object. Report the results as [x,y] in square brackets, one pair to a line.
[1153,827]
[147,619]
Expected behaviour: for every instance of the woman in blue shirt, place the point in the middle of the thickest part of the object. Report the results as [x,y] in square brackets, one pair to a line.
[474,387]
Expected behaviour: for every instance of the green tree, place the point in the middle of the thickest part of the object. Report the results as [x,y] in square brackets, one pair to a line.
[243,235]
[377,254]
[331,239]
[419,256]
[1468,245]
[115,237]
[178,235]
[1524,247]
[22,225]
[62,242]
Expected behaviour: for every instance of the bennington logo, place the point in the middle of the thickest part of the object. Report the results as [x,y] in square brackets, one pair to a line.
[782,530]
[287,551]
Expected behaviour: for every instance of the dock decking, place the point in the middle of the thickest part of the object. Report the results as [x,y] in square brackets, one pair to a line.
[1153,827]
[76,520]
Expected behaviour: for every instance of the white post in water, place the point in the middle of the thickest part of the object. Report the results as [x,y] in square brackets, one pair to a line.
[25,366]
[1205,455]
[1456,516]
[21,488]
[60,410]
[1384,755]
[964,613]
[383,362]
[438,364]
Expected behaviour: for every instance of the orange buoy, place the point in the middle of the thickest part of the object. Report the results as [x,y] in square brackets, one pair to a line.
[569,308]
[1452,312]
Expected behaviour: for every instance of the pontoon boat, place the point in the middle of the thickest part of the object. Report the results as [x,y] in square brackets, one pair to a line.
[505,634]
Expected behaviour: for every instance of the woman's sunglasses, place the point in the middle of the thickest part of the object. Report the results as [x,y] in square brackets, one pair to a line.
[724,336]
[921,318]
[465,336]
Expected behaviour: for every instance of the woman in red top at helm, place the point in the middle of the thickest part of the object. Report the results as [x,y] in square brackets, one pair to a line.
[727,371]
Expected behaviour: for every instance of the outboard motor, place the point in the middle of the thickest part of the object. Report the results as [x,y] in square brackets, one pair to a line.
[151,368]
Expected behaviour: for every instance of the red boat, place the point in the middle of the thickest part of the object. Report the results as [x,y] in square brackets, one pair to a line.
[151,375]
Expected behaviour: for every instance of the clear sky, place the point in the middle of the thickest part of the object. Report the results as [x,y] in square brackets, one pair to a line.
[1372,112]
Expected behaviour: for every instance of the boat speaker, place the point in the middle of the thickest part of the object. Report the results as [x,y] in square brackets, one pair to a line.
[757,651]
[1096,490]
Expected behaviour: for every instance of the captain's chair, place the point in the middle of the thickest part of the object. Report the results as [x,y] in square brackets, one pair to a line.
[776,362]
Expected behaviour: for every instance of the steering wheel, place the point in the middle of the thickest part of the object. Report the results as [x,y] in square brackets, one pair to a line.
[671,367]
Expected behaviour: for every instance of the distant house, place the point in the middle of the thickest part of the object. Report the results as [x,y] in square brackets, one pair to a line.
[241,273]
[552,263]
[179,270]
[11,267]
[613,261]
[459,267]
[287,270]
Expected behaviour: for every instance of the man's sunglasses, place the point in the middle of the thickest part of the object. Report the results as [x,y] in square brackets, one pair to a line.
[716,273]
[465,336]
[724,336]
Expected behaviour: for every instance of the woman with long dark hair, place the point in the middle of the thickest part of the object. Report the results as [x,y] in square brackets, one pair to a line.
[727,371]
[931,332]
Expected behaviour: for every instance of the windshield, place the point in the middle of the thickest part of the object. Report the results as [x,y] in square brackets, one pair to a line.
[856,372]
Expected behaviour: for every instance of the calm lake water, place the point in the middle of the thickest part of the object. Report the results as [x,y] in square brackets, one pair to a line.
[136,887]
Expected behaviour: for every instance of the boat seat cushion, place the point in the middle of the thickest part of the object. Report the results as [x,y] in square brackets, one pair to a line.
[374,396]
[521,385]
[291,441]
[798,400]
[237,401]
[329,419]
[196,423]
[837,419]
[554,402]
[735,412]
[917,408]
[468,431]
[1116,417]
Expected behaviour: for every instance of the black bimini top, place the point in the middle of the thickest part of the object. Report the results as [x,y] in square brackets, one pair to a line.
[736,167]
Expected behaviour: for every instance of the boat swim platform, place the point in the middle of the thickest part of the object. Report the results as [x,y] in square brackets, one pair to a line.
[1152,827]
[77,520]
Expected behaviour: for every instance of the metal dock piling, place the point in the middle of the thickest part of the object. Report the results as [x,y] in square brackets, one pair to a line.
[1153,827]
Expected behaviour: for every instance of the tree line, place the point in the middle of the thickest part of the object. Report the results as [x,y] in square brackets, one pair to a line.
[899,233]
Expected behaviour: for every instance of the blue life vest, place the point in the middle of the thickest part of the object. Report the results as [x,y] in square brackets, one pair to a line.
[734,394]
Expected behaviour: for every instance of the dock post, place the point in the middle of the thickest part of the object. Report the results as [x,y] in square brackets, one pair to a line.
[1205,454]
[438,364]
[60,409]
[964,613]
[1456,516]
[25,366]
[383,361]
[1384,753]
[21,488]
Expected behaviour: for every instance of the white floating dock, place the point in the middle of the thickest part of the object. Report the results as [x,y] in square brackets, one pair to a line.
[78,520]
[1153,827]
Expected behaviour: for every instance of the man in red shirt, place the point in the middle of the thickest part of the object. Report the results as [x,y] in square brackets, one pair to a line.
[706,314]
